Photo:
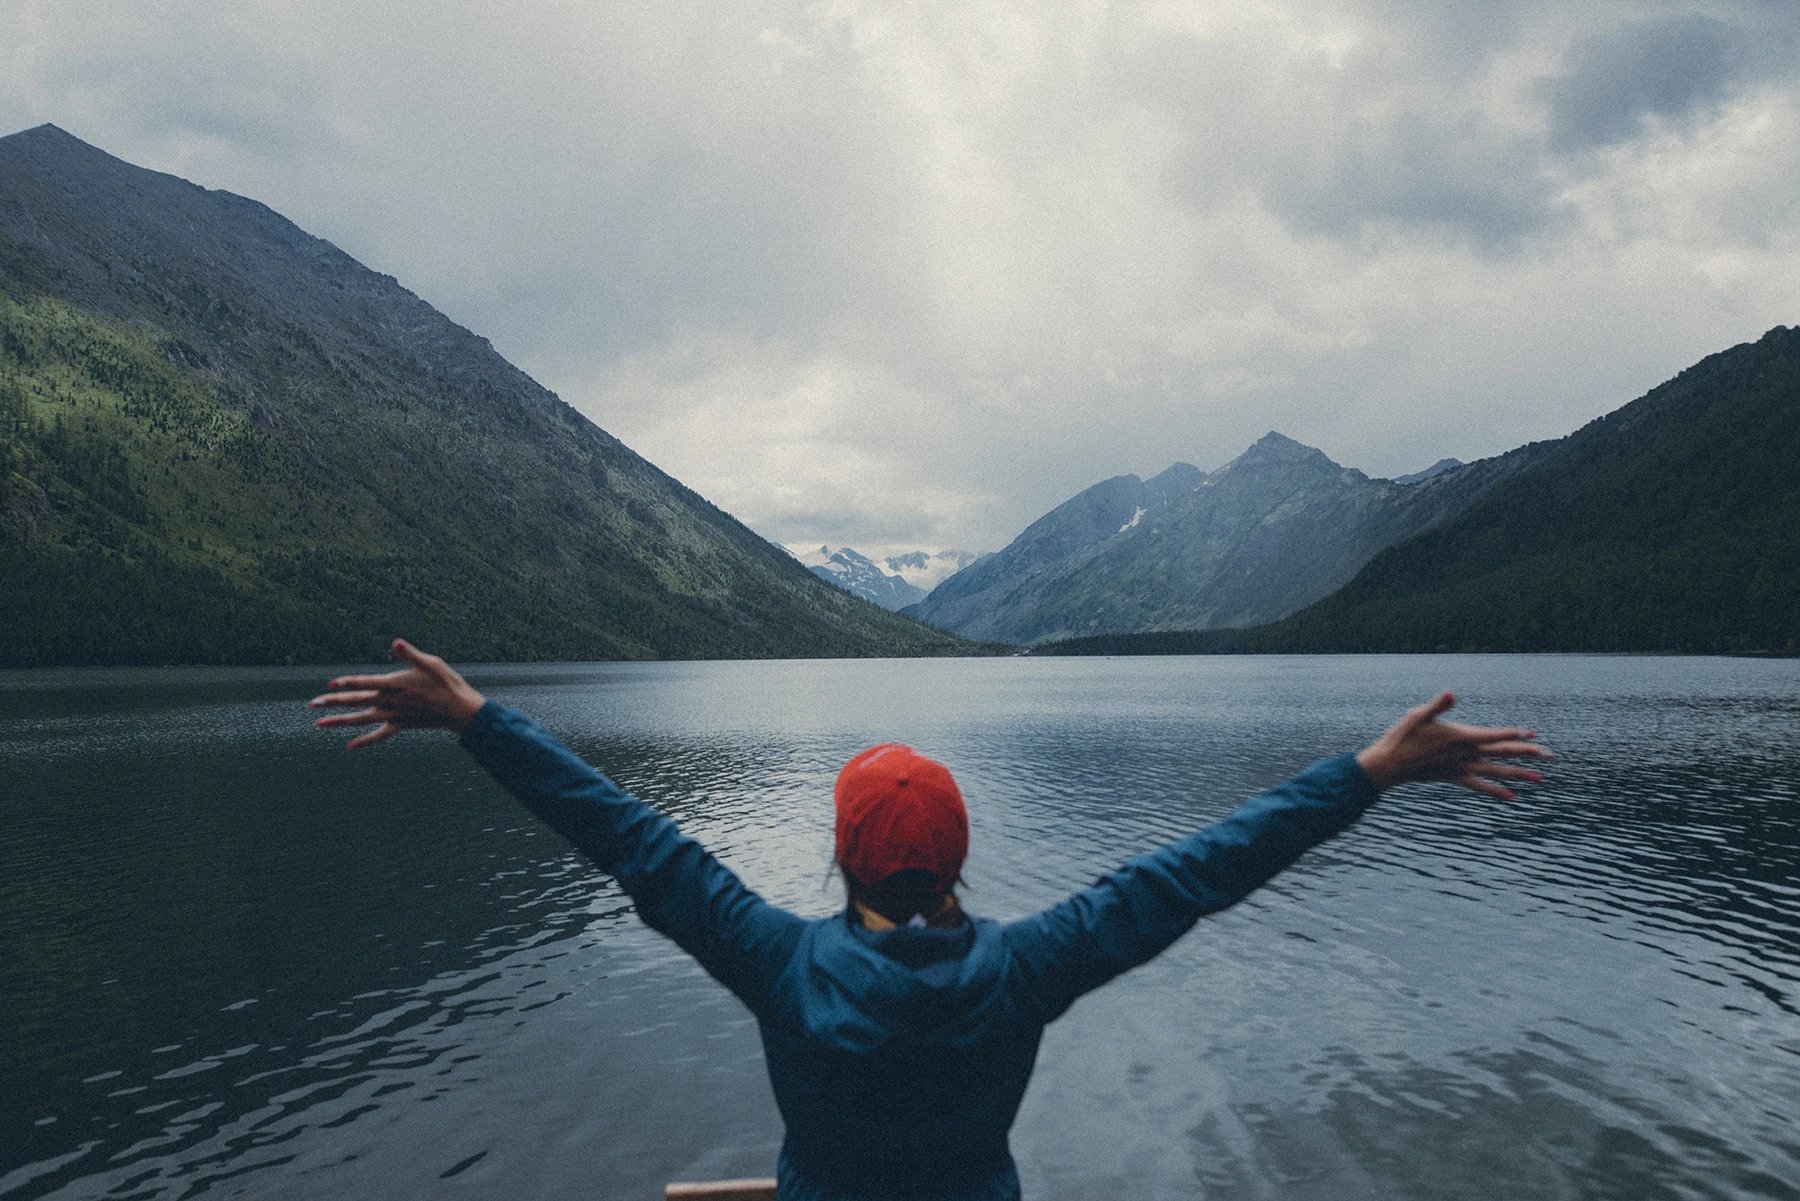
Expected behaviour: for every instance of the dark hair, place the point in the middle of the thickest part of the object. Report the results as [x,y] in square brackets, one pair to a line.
[902,896]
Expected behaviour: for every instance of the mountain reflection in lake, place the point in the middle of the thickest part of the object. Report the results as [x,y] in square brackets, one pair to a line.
[236,961]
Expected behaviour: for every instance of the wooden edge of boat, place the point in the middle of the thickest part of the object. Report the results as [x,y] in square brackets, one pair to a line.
[723,1190]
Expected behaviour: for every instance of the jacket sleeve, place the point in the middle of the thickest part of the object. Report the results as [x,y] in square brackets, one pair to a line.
[679,888]
[1130,916]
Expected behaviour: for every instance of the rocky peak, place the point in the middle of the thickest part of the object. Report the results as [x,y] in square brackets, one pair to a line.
[1432,472]
[1275,449]
[1172,482]
[46,135]
[50,147]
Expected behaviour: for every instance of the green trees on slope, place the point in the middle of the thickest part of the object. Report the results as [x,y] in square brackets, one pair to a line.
[145,518]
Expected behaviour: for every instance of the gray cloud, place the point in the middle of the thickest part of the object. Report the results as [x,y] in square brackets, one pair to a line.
[1677,68]
[904,274]
[1359,145]
[1419,171]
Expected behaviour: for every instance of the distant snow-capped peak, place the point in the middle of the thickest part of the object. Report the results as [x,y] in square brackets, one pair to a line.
[897,579]
[859,575]
[927,569]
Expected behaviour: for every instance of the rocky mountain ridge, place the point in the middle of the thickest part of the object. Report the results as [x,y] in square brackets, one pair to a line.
[1670,525]
[1273,530]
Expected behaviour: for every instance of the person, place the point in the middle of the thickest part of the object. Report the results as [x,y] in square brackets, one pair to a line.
[900,1033]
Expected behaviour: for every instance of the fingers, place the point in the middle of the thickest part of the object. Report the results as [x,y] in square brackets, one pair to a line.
[406,652]
[386,730]
[362,717]
[385,680]
[1499,741]
[1430,711]
[330,699]
[391,701]
[1513,750]
[1475,783]
[1490,733]
[1505,771]
[1423,747]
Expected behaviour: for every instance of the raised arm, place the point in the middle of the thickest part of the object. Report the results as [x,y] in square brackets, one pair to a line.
[680,889]
[1130,916]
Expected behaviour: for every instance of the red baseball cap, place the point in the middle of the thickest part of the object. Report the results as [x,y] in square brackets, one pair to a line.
[899,811]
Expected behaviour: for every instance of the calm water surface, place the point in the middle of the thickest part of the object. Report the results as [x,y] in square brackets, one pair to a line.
[235,961]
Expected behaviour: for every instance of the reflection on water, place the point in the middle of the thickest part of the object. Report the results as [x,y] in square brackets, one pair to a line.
[236,961]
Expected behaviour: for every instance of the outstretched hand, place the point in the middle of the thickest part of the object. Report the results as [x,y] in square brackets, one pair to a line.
[426,694]
[1422,747]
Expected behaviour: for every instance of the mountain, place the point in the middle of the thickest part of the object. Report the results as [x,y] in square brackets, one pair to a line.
[981,596]
[861,576]
[1669,525]
[1277,528]
[1436,469]
[225,440]
[925,570]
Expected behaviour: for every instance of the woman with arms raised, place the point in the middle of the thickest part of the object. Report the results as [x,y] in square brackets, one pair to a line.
[900,1033]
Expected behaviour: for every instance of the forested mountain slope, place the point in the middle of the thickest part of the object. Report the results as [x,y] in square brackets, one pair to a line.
[224,440]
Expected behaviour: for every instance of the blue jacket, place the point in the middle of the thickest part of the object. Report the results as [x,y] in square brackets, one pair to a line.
[899,1058]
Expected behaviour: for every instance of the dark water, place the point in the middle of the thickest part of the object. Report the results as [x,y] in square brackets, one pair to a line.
[235,961]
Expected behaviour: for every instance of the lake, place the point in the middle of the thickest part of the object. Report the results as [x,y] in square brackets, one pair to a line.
[236,961]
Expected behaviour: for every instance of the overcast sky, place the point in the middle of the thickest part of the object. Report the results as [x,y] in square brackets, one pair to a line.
[907,274]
